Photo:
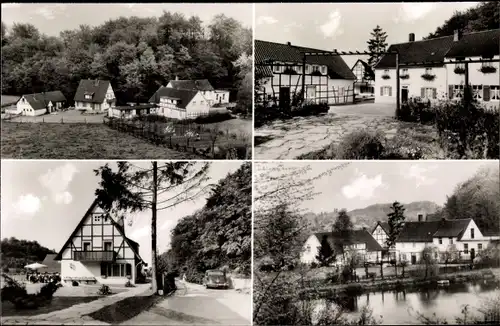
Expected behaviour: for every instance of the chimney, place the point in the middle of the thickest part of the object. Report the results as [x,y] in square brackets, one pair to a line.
[420,217]
[411,37]
[457,35]
[289,43]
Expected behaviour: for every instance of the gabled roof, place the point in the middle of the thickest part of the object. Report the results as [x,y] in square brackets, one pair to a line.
[264,51]
[490,232]
[433,50]
[355,237]
[452,228]
[476,44]
[132,244]
[96,88]
[383,225]
[53,266]
[196,85]
[39,101]
[366,67]
[9,100]
[418,231]
[184,95]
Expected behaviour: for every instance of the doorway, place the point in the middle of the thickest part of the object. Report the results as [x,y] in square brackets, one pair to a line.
[472,254]
[284,97]
[404,94]
[413,259]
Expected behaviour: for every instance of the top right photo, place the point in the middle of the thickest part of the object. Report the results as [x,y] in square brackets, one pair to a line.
[360,81]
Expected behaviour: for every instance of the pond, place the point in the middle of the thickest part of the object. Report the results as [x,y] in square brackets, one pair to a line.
[400,307]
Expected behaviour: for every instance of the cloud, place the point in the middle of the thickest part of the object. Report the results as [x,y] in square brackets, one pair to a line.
[265,20]
[290,26]
[27,204]
[332,27]
[410,12]
[57,180]
[362,187]
[141,232]
[50,12]
[417,173]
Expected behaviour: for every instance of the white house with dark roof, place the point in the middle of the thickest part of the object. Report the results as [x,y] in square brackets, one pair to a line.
[211,96]
[94,95]
[180,103]
[435,80]
[364,85]
[99,251]
[279,69]
[39,103]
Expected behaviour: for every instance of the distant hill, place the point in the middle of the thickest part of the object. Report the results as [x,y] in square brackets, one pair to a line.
[368,216]
[17,253]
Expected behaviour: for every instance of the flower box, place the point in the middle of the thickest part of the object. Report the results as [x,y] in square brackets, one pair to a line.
[459,70]
[488,69]
[428,77]
[404,76]
[386,77]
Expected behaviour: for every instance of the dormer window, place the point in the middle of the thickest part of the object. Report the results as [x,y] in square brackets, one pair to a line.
[323,70]
[277,67]
[308,69]
[88,97]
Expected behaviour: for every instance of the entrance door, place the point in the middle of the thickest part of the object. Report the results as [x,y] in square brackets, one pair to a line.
[472,254]
[86,246]
[284,97]
[404,94]
[413,259]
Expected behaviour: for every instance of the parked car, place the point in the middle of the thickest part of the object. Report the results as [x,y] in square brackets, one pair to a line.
[215,279]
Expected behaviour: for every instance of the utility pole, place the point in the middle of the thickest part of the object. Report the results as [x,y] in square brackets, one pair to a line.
[154,281]
[303,77]
[398,86]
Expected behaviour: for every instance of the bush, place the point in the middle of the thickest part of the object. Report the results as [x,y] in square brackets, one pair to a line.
[402,148]
[309,109]
[416,110]
[213,117]
[129,284]
[75,283]
[264,114]
[314,265]
[361,145]
[104,290]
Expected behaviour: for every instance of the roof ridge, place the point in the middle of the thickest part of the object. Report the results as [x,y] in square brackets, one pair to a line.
[431,39]
[294,45]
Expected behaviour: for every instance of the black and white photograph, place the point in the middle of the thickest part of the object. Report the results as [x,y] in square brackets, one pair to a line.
[126,242]
[379,242]
[127,81]
[377,81]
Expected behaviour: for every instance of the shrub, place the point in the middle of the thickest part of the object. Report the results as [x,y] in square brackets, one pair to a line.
[309,109]
[360,145]
[75,283]
[104,290]
[416,111]
[402,148]
[214,117]
[129,284]
[264,114]
[314,265]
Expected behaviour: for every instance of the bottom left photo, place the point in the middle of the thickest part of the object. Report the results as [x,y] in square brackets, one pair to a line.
[126,242]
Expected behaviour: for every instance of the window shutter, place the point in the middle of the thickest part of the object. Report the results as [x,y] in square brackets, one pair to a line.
[390,90]
[128,270]
[450,92]
[381,91]
[434,93]
[486,93]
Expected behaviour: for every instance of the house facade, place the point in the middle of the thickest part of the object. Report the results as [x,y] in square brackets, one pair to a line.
[39,103]
[434,80]
[364,85]
[94,96]
[129,112]
[180,103]
[279,69]
[99,251]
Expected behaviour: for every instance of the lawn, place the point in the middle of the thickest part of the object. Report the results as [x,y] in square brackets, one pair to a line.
[125,309]
[57,303]
[78,141]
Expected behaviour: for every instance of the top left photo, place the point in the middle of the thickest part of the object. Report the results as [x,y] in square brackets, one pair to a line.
[127,81]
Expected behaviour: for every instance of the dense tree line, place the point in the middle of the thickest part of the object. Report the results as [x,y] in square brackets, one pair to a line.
[217,235]
[483,17]
[18,253]
[136,54]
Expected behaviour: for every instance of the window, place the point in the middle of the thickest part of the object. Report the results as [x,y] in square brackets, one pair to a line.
[194,102]
[97,218]
[451,240]
[404,72]
[116,270]
[440,240]
[494,92]
[414,245]
[107,246]
[223,96]
[88,97]
[472,233]
[323,70]
[428,92]
[86,246]
[386,91]
[277,67]
[458,91]
[477,92]
[479,246]
[486,64]
[386,71]
[202,102]
[298,69]
[428,71]
[466,248]
[435,255]
[308,69]
[403,256]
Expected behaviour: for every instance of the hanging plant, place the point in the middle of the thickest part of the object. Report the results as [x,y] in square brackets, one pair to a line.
[289,71]
[459,70]
[488,69]
[317,73]
[386,77]
[404,76]
[429,77]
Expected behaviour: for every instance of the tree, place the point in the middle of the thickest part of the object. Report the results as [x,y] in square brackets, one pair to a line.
[132,189]
[342,231]
[376,44]
[429,257]
[450,255]
[396,221]
[325,253]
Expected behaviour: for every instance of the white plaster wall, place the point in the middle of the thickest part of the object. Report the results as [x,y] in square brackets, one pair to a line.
[410,248]
[198,105]
[446,243]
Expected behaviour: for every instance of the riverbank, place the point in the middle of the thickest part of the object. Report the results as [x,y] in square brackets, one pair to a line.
[322,289]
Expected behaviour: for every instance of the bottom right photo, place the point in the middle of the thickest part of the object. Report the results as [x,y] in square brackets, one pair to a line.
[376,242]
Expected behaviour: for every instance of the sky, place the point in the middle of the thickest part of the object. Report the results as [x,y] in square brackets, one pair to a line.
[364,183]
[52,18]
[45,201]
[347,26]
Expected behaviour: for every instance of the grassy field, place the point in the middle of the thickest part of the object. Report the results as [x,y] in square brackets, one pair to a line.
[77,141]
[57,303]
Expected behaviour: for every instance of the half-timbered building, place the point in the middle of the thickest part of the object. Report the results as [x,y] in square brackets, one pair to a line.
[99,251]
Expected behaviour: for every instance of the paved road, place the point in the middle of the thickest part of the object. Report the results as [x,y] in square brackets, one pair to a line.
[194,305]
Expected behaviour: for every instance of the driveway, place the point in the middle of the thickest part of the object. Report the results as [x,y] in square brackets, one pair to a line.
[192,304]
[71,116]
[365,109]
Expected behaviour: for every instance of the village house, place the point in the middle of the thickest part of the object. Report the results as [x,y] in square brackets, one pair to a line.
[94,96]
[415,236]
[212,96]
[364,85]
[279,71]
[180,103]
[131,111]
[39,103]
[432,79]
[99,251]
[358,241]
